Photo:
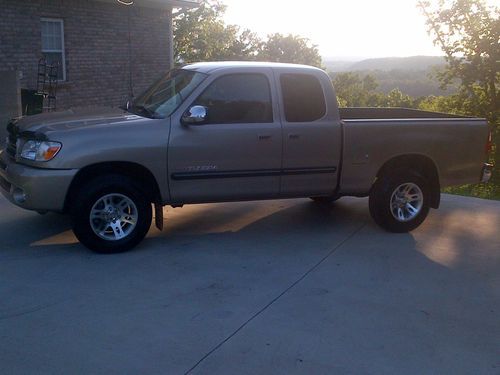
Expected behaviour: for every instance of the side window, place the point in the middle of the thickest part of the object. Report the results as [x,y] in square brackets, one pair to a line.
[238,98]
[303,97]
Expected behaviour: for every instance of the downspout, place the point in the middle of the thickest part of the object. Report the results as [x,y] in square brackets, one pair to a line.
[170,38]
[130,83]
[129,4]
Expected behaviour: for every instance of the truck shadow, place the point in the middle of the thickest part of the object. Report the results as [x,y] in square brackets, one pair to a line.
[252,227]
[277,222]
[25,228]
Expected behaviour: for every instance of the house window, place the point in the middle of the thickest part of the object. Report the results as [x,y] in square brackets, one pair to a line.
[53,44]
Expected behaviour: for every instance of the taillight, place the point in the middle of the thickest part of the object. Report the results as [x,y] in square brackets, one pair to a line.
[489,143]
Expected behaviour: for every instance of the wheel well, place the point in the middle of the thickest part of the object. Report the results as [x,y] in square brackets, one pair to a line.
[137,172]
[420,164]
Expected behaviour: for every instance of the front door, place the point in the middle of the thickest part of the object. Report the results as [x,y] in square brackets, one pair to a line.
[235,154]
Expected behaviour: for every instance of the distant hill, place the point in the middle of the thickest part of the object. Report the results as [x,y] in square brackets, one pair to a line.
[385,63]
[409,74]
[399,63]
[337,65]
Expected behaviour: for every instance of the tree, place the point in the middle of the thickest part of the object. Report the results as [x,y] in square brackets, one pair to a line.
[468,32]
[397,99]
[443,104]
[353,90]
[201,34]
[290,49]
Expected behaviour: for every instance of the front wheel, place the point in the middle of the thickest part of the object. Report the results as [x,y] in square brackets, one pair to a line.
[110,214]
[400,203]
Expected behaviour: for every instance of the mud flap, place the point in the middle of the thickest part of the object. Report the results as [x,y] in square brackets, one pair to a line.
[159,216]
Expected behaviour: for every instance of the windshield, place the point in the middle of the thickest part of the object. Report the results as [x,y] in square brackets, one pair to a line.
[163,97]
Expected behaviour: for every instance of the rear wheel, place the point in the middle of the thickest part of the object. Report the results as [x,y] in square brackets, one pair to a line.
[110,214]
[400,202]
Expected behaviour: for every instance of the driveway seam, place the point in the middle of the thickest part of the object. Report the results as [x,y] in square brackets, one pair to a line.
[296,282]
[31,311]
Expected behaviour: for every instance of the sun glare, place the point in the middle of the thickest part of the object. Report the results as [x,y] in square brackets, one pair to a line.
[355,28]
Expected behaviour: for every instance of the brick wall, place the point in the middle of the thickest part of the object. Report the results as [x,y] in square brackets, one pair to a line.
[10,100]
[99,62]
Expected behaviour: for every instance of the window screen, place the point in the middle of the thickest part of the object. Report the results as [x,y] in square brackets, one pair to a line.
[53,44]
[238,98]
[303,98]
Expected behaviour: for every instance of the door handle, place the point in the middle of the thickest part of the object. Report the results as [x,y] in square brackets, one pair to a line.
[293,136]
[263,137]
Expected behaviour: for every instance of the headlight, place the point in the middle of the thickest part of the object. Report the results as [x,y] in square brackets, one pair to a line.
[40,150]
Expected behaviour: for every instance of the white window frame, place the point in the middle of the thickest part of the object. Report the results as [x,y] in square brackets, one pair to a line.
[62,51]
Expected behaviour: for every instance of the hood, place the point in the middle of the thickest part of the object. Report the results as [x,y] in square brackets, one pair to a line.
[73,119]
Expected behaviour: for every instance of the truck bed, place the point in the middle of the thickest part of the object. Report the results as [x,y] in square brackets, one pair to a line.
[374,135]
[366,113]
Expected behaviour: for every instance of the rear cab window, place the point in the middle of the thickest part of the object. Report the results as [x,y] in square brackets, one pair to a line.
[303,97]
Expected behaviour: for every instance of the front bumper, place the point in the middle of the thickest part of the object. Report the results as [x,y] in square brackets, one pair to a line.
[486,172]
[31,188]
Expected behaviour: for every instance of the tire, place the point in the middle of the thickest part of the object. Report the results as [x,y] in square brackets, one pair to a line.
[121,214]
[325,199]
[399,202]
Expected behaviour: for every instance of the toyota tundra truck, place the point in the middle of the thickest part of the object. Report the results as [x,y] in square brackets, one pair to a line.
[234,131]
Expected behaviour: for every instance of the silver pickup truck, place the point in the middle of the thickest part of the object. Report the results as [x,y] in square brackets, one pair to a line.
[214,132]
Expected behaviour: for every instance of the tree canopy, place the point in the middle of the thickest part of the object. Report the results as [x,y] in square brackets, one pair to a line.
[355,90]
[290,49]
[468,32]
[201,34]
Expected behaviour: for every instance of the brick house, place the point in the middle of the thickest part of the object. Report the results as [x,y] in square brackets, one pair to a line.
[107,50]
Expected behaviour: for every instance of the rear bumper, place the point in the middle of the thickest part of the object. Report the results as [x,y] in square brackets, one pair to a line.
[486,172]
[34,188]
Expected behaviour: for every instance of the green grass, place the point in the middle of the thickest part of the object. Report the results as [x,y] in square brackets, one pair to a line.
[485,191]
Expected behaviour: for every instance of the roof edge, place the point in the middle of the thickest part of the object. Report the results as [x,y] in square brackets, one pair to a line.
[155,3]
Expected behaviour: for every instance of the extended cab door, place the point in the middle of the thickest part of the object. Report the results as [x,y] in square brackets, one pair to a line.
[311,133]
[236,153]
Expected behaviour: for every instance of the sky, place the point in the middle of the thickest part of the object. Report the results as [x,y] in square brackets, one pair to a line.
[343,29]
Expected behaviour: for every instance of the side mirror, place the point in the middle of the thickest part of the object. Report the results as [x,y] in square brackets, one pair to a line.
[196,115]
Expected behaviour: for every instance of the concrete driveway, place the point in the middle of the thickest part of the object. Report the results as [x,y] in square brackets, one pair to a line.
[279,287]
